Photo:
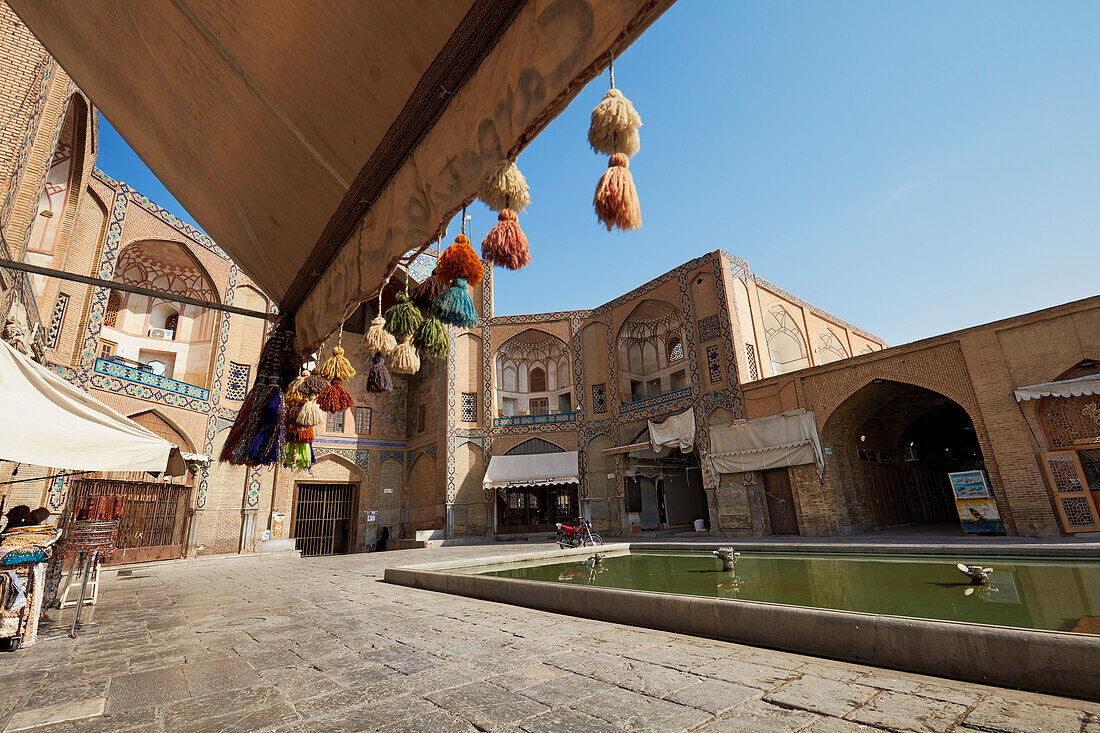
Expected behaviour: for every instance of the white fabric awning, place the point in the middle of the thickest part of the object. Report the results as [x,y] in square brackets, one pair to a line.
[775,441]
[538,469]
[54,424]
[677,431]
[1066,388]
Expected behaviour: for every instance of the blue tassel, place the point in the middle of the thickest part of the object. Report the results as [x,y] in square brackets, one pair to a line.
[455,307]
[266,447]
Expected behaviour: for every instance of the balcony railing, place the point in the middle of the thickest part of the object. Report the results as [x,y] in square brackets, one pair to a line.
[140,376]
[501,422]
[672,396]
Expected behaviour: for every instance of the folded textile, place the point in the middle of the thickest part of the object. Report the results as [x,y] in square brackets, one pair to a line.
[17,555]
[19,597]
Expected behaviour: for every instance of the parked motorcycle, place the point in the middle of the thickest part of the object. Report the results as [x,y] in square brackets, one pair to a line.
[580,535]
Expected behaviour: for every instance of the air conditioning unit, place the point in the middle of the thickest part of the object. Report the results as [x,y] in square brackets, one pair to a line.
[161,333]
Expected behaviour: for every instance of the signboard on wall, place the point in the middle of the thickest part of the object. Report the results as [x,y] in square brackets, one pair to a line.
[974,501]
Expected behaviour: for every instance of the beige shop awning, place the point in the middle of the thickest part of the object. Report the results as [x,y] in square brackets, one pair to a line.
[775,441]
[532,470]
[317,141]
[55,425]
[1066,388]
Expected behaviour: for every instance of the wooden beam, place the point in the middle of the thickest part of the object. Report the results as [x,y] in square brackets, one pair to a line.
[625,448]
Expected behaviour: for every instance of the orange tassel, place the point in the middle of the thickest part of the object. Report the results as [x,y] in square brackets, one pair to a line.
[506,245]
[616,199]
[460,260]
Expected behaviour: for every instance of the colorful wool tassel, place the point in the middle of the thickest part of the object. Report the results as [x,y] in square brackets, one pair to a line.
[431,339]
[303,456]
[614,126]
[403,318]
[616,199]
[310,414]
[378,340]
[297,383]
[337,366]
[313,385]
[305,434]
[504,187]
[429,291]
[335,398]
[378,378]
[506,245]
[460,261]
[267,445]
[404,360]
[455,307]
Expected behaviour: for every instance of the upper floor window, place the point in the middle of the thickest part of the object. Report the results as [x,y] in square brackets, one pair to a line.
[538,380]
[675,349]
[334,422]
[362,420]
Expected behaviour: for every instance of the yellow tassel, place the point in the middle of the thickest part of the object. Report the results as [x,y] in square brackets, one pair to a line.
[337,366]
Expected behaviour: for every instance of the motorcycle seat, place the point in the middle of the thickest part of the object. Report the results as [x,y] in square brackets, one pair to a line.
[567,528]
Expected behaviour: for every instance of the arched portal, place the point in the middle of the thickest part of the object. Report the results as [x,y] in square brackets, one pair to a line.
[892,447]
[663,489]
[651,352]
[533,375]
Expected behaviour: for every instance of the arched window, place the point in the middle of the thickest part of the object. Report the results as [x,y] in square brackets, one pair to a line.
[675,349]
[785,341]
[537,380]
[114,302]
[171,323]
[510,381]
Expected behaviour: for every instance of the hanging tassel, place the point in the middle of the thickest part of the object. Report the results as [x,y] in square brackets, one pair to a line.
[616,199]
[305,434]
[378,340]
[296,384]
[504,187]
[403,318]
[460,260]
[431,339]
[429,291]
[378,379]
[404,360]
[506,245]
[310,414]
[313,385]
[614,127]
[288,458]
[337,366]
[235,439]
[455,307]
[335,398]
[303,456]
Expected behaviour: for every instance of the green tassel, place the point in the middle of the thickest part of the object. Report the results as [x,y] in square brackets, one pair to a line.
[431,338]
[403,318]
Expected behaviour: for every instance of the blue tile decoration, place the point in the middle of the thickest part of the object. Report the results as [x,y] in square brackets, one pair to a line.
[236,387]
[469,407]
[58,317]
[599,398]
[564,417]
[130,374]
[714,365]
[709,329]
[674,395]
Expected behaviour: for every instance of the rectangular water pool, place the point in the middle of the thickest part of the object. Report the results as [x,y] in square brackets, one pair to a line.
[1027,593]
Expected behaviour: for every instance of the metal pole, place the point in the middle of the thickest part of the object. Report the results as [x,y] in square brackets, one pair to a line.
[99,282]
[88,565]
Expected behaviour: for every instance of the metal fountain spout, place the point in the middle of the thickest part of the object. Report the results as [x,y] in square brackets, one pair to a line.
[978,575]
[728,557]
[597,559]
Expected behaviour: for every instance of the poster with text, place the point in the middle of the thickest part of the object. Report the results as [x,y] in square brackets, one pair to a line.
[977,509]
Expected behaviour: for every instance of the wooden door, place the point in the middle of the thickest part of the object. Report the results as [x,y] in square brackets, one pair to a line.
[1072,498]
[780,499]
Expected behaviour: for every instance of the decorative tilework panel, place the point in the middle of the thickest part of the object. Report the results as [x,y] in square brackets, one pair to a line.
[565,417]
[57,319]
[599,398]
[129,374]
[714,365]
[709,329]
[237,388]
[469,407]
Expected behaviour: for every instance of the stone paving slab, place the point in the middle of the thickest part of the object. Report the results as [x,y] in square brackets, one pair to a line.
[296,645]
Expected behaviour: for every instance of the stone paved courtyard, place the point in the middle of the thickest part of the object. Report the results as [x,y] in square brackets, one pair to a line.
[322,644]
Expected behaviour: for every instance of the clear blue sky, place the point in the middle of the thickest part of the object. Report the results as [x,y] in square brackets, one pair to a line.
[911,167]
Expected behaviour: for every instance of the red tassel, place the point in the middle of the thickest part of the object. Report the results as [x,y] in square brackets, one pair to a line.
[506,245]
[335,398]
[460,260]
[305,434]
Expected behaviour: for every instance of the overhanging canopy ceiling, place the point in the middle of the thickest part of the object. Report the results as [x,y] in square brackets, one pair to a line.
[317,141]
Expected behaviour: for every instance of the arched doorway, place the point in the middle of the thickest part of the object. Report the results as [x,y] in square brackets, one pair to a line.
[893,446]
[663,489]
[536,507]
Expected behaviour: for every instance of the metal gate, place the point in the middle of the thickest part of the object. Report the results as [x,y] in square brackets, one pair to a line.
[154,517]
[322,518]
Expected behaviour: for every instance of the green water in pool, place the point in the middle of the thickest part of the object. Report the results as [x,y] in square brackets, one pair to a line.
[1030,593]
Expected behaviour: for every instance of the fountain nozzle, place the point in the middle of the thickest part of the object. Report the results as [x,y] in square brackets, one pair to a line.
[728,557]
[977,574]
